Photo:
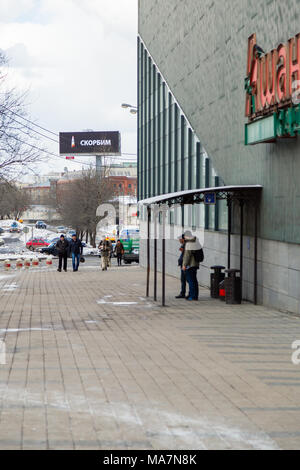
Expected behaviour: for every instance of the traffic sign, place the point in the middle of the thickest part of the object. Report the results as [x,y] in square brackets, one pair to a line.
[210,198]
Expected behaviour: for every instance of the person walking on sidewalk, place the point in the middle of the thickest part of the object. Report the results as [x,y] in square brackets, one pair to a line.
[62,247]
[182,272]
[76,248]
[105,246]
[190,263]
[119,250]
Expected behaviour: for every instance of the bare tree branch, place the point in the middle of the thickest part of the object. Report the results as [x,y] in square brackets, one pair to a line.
[79,199]
[15,136]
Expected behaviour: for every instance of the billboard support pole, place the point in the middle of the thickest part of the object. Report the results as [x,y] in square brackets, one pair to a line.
[98,164]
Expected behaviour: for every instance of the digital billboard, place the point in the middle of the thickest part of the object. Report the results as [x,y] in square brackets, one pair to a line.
[90,143]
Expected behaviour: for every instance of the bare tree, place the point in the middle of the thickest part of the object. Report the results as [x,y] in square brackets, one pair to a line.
[13,201]
[17,138]
[79,199]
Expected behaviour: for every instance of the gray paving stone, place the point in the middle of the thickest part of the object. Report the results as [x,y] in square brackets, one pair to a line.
[142,377]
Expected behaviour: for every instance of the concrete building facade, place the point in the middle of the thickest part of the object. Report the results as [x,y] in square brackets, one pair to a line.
[192,66]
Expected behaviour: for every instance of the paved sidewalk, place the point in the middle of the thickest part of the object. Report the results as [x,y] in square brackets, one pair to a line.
[92,364]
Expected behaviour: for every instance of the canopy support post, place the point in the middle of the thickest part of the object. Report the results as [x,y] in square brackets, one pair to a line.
[229,205]
[148,249]
[255,251]
[155,258]
[241,244]
[163,258]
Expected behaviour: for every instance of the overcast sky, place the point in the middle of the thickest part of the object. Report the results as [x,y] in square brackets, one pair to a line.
[78,60]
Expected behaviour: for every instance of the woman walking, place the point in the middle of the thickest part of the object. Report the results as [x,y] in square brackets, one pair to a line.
[119,250]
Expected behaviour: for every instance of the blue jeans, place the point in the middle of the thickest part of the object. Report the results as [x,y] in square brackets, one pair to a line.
[191,277]
[75,261]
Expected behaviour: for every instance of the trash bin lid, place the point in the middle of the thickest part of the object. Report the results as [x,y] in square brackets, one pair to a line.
[217,267]
[232,271]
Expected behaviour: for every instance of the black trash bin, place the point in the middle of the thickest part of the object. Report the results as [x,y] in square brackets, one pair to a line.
[215,278]
[233,287]
[222,293]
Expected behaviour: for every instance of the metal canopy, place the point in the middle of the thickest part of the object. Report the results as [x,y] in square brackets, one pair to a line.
[194,196]
[244,194]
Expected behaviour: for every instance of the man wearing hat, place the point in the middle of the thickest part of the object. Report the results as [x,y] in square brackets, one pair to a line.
[190,265]
[62,247]
[76,248]
[105,246]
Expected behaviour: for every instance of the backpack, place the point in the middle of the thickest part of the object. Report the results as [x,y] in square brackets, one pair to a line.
[198,255]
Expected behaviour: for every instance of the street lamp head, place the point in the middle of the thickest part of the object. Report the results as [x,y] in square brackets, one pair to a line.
[126,105]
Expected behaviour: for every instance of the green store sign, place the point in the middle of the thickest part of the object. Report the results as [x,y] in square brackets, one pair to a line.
[284,123]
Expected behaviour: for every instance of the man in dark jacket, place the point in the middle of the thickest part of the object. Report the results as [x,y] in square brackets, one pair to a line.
[62,247]
[182,272]
[76,251]
[119,250]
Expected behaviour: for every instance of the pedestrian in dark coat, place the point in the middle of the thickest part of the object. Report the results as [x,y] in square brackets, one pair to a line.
[119,250]
[182,272]
[76,251]
[62,247]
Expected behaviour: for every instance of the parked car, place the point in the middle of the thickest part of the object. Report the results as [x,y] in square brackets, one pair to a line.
[15,227]
[40,224]
[35,244]
[70,233]
[61,229]
[2,242]
[1,230]
[51,248]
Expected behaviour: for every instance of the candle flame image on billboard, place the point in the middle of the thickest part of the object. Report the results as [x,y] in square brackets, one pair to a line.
[90,143]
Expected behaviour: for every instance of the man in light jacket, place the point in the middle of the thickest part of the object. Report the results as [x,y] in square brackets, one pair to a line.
[190,265]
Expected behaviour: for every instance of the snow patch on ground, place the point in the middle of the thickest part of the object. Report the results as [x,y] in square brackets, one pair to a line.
[48,235]
[6,224]
[173,430]
[108,300]
[103,301]
[9,287]
[17,330]
[27,255]
[5,277]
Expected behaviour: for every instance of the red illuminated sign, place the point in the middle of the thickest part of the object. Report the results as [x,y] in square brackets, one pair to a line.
[272,78]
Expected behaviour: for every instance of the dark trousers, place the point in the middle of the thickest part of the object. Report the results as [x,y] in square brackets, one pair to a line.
[191,277]
[119,258]
[183,283]
[62,257]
